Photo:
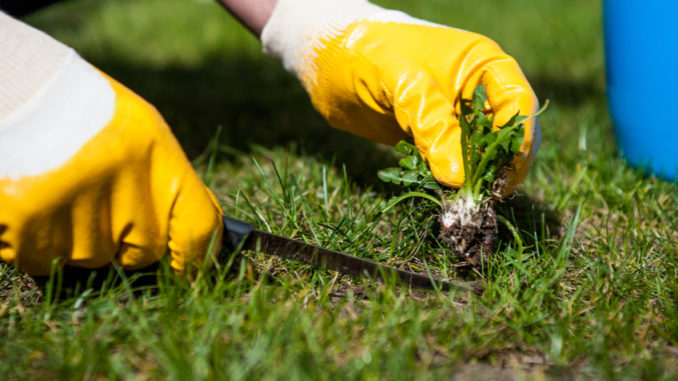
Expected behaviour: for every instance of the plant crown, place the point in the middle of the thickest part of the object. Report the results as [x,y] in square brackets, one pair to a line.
[487,151]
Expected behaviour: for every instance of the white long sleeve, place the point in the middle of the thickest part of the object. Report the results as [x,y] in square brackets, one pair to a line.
[29,60]
[51,101]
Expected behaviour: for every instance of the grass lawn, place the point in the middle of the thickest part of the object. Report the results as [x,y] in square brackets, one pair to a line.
[589,290]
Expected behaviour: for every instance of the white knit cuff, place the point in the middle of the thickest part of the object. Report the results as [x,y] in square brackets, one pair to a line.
[51,101]
[29,60]
[298,27]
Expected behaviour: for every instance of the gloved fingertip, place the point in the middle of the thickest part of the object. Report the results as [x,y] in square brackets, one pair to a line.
[133,257]
[196,227]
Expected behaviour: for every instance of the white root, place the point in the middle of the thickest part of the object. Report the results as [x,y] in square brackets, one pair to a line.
[461,212]
[469,228]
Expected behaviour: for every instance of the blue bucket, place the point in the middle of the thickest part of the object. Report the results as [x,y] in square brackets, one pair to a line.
[641,48]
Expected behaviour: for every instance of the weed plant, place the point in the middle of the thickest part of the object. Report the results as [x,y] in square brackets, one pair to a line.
[468,222]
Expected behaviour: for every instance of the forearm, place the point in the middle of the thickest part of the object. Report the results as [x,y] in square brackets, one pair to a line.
[252,13]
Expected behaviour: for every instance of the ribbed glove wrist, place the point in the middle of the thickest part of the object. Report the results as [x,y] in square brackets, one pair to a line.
[29,59]
[297,27]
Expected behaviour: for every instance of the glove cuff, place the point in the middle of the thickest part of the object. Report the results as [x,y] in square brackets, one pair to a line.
[51,101]
[29,60]
[298,27]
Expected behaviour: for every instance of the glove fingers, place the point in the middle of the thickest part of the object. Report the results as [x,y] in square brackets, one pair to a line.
[195,226]
[508,94]
[508,91]
[180,205]
[132,257]
[423,110]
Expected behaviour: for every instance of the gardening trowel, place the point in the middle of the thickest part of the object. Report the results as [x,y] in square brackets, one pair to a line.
[240,235]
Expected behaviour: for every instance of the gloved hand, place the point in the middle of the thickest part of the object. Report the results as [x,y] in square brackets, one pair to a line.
[89,171]
[384,75]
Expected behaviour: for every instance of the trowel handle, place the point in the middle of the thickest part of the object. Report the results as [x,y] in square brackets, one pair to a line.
[235,232]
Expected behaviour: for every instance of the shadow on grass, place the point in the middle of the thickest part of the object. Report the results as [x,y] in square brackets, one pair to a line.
[539,227]
[533,218]
[256,102]
[568,91]
[71,281]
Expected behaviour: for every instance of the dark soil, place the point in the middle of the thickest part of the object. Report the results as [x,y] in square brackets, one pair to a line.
[17,288]
[472,237]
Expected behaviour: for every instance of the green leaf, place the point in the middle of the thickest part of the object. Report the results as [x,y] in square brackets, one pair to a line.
[390,175]
[405,147]
[506,143]
[396,200]
[432,186]
[522,118]
[489,176]
[484,122]
[479,97]
[516,143]
[511,122]
[489,139]
[429,182]
[410,177]
[410,162]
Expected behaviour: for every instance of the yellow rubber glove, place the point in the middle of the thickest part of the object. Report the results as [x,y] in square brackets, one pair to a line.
[90,173]
[385,76]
